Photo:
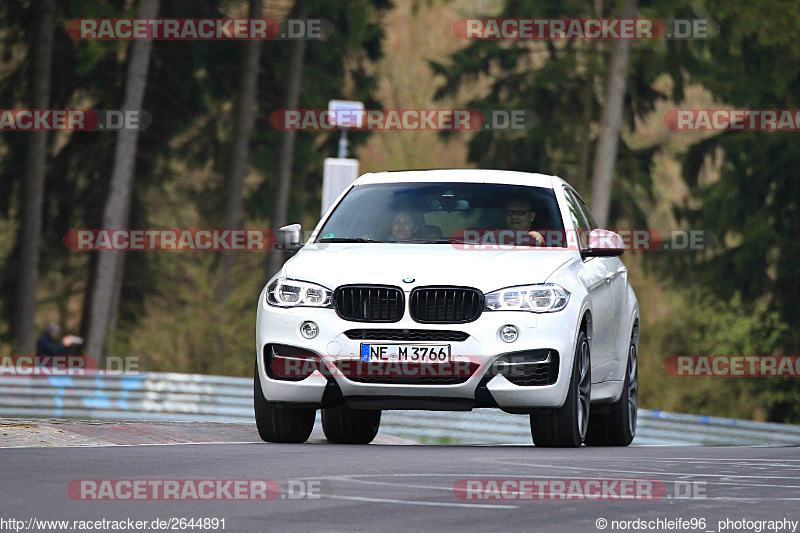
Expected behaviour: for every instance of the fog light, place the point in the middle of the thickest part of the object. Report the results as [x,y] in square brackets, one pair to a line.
[509,333]
[309,329]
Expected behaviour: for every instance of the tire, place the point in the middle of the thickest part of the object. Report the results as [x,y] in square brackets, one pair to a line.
[280,424]
[566,426]
[618,426]
[350,426]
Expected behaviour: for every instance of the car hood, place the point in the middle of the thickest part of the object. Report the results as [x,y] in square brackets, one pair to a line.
[337,264]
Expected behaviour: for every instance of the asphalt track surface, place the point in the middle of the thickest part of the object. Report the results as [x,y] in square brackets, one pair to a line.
[394,487]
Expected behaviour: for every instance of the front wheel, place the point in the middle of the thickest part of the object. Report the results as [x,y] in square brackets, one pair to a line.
[618,426]
[350,426]
[280,424]
[565,427]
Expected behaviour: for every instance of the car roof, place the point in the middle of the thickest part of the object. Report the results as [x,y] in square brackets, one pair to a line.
[465,175]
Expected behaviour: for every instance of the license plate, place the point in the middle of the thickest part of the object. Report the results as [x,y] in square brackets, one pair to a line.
[430,353]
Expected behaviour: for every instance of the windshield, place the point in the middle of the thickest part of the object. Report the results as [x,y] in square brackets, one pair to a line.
[440,212]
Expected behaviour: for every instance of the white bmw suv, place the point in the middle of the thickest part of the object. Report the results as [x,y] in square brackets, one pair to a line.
[450,290]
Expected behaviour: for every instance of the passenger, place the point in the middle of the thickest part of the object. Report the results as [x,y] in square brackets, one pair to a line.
[407,225]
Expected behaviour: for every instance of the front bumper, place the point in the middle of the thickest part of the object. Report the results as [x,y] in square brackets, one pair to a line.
[545,331]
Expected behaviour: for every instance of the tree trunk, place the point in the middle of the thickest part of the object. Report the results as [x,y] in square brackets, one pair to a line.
[286,150]
[116,295]
[118,203]
[244,118]
[582,174]
[605,157]
[33,186]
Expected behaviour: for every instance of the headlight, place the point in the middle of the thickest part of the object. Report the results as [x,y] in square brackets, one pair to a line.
[292,293]
[542,298]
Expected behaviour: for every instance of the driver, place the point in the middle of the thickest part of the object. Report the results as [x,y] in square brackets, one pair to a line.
[519,216]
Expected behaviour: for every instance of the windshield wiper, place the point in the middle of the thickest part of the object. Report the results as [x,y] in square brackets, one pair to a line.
[456,240]
[415,241]
[346,239]
[451,240]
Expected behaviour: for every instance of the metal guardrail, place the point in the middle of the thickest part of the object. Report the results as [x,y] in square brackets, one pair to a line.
[192,397]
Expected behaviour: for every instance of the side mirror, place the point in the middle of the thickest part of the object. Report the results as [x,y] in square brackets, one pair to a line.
[288,238]
[603,243]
